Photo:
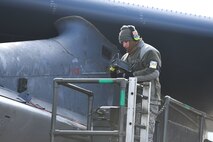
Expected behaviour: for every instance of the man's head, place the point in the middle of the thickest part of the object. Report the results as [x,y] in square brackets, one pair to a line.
[128,37]
[127,33]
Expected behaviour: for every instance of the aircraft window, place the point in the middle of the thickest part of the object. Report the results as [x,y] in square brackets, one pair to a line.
[22,85]
[106,53]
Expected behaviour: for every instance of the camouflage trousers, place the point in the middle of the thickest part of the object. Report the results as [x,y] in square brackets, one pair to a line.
[152,119]
[153,114]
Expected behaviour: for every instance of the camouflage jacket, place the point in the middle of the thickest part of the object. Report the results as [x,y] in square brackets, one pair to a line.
[145,63]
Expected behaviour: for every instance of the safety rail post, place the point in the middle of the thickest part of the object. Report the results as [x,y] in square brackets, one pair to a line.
[123,85]
[67,82]
[54,110]
[131,109]
[201,128]
[166,115]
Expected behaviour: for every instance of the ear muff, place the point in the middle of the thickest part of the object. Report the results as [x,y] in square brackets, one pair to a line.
[134,34]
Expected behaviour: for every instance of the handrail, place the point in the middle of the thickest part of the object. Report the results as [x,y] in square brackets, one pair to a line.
[185,106]
[90,100]
[77,88]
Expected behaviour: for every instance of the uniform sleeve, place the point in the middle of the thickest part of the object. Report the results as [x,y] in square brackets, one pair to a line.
[150,69]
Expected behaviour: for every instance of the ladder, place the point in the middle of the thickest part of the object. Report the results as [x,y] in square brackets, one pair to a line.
[143,110]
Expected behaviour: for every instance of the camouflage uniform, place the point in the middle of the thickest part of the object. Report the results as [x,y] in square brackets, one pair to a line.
[145,62]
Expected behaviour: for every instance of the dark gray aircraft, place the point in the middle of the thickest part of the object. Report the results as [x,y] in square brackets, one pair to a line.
[33,65]
[45,39]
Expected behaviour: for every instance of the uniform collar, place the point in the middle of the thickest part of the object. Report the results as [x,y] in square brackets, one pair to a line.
[137,47]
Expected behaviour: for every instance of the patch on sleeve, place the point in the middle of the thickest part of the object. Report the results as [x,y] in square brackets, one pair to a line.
[153,65]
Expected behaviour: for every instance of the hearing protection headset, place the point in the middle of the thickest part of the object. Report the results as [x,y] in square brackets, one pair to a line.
[134,34]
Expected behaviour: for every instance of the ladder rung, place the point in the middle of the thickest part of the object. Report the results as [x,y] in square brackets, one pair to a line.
[86,132]
[139,110]
[145,97]
[140,126]
[142,97]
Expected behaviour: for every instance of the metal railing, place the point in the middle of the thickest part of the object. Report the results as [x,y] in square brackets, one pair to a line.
[200,115]
[68,83]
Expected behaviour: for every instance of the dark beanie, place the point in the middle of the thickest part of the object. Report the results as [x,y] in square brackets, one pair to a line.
[127,32]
